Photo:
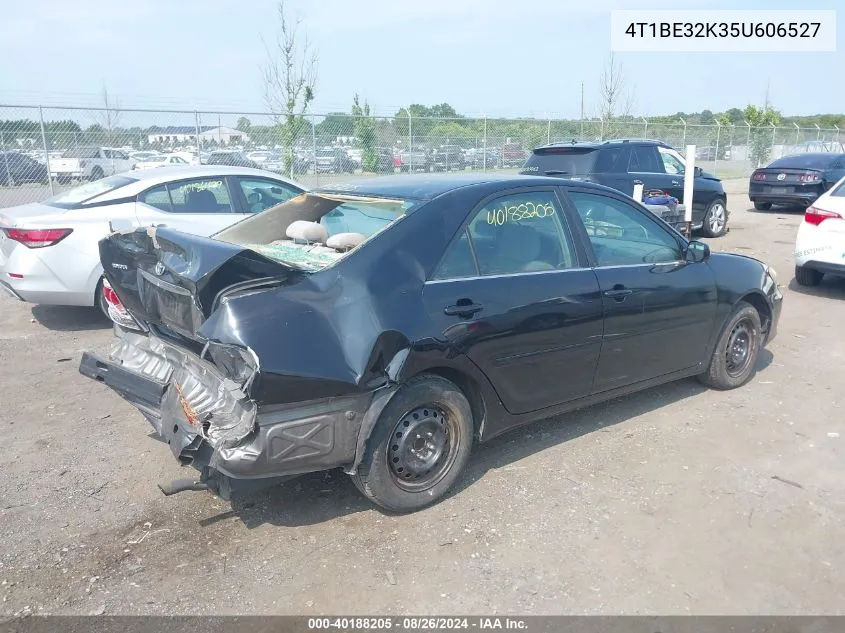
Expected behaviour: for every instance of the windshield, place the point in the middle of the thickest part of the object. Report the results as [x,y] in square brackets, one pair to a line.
[563,161]
[314,230]
[81,152]
[804,161]
[78,196]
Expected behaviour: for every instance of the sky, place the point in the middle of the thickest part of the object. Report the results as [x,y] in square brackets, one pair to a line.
[484,57]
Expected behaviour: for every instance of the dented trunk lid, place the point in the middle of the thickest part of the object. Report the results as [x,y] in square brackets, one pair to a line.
[175,280]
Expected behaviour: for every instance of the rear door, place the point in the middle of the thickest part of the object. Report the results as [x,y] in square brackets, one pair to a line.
[645,167]
[201,206]
[513,295]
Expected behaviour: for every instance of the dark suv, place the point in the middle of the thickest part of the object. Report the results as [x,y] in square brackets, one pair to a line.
[623,163]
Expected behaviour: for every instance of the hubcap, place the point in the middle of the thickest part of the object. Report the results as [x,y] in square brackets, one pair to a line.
[717,218]
[738,351]
[420,452]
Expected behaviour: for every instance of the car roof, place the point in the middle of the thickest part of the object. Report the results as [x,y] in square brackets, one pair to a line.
[598,144]
[429,186]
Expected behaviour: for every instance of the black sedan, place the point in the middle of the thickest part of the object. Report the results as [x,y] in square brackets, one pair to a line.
[795,180]
[383,326]
[17,168]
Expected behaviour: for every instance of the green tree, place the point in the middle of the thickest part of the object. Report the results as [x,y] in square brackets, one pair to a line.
[761,120]
[365,132]
[243,124]
[290,78]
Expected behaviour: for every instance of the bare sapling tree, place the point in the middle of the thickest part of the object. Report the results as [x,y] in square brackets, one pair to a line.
[290,79]
[616,99]
[109,118]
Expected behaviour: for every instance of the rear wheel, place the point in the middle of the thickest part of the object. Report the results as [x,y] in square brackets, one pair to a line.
[418,447]
[715,219]
[733,361]
[100,300]
[762,206]
[807,276]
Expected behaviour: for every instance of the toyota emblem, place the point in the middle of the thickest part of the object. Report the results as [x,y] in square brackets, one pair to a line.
[159,269]
[781,176]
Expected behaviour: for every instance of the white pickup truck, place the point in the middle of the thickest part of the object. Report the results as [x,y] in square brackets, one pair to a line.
[89,163]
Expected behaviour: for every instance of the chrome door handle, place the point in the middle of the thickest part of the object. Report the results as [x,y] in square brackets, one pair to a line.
[618,293]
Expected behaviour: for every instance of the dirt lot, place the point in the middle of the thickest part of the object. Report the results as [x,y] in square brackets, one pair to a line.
[676,500]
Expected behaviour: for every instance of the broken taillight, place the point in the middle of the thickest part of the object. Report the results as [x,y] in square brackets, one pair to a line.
[117,311]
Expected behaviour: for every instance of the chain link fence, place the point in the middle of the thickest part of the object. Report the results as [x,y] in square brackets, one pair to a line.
[46,149]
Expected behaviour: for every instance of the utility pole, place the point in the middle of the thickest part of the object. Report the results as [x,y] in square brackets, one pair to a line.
[582,111]
[766,99]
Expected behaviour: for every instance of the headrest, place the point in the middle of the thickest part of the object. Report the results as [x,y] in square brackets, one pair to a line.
[307,231]
[345,241]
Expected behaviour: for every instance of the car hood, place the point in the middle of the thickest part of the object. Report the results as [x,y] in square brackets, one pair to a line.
[29,213]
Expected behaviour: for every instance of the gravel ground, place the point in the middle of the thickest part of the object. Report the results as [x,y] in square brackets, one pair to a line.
[676,500]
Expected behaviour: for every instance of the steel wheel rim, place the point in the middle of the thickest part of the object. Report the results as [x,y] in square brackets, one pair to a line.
[717,218]
[423,447]
[738,352]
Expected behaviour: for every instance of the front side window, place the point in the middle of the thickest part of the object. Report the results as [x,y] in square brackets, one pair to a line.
[518,233]
[262,194]
[622,235]
[672,164]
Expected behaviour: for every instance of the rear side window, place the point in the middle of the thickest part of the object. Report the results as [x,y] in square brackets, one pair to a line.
[205,195]
[644,159]
[514,234]
[562,161]
[157,197]
[612,160]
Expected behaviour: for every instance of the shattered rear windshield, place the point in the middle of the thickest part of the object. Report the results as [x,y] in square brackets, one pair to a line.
[314,230]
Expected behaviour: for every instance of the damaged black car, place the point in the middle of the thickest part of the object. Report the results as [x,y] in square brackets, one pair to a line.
[385,327]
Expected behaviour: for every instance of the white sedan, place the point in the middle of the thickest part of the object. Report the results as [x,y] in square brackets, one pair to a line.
[49,251]
[820,245]
[162,160]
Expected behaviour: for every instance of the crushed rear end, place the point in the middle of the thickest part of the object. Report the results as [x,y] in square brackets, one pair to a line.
[203,351]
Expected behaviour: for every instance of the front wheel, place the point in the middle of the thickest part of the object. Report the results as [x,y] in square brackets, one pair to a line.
[715,219]
[762,206]
[733,361]
[419,446]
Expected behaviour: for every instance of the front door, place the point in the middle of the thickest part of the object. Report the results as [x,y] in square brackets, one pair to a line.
[659,310]
[512,294]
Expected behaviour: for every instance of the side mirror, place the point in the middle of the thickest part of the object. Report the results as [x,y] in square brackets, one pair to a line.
[697,252]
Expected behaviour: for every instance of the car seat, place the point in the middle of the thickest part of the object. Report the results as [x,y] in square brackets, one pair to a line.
[202,201]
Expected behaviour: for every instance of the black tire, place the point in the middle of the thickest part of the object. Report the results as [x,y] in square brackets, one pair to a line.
[807,276]
[762,206]
[735,356]
[426,404]
[100,300]
[96,173]
[715,222]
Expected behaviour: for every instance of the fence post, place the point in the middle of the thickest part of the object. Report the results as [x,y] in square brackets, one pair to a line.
[410,144]
[772,149]
[314,142]
[601,130]
[484,156]
[797,133]
[837,132]
[684,141]
[199,144]
[645,129]
[716,155]
[44,143]
[549,130]
[5,158]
